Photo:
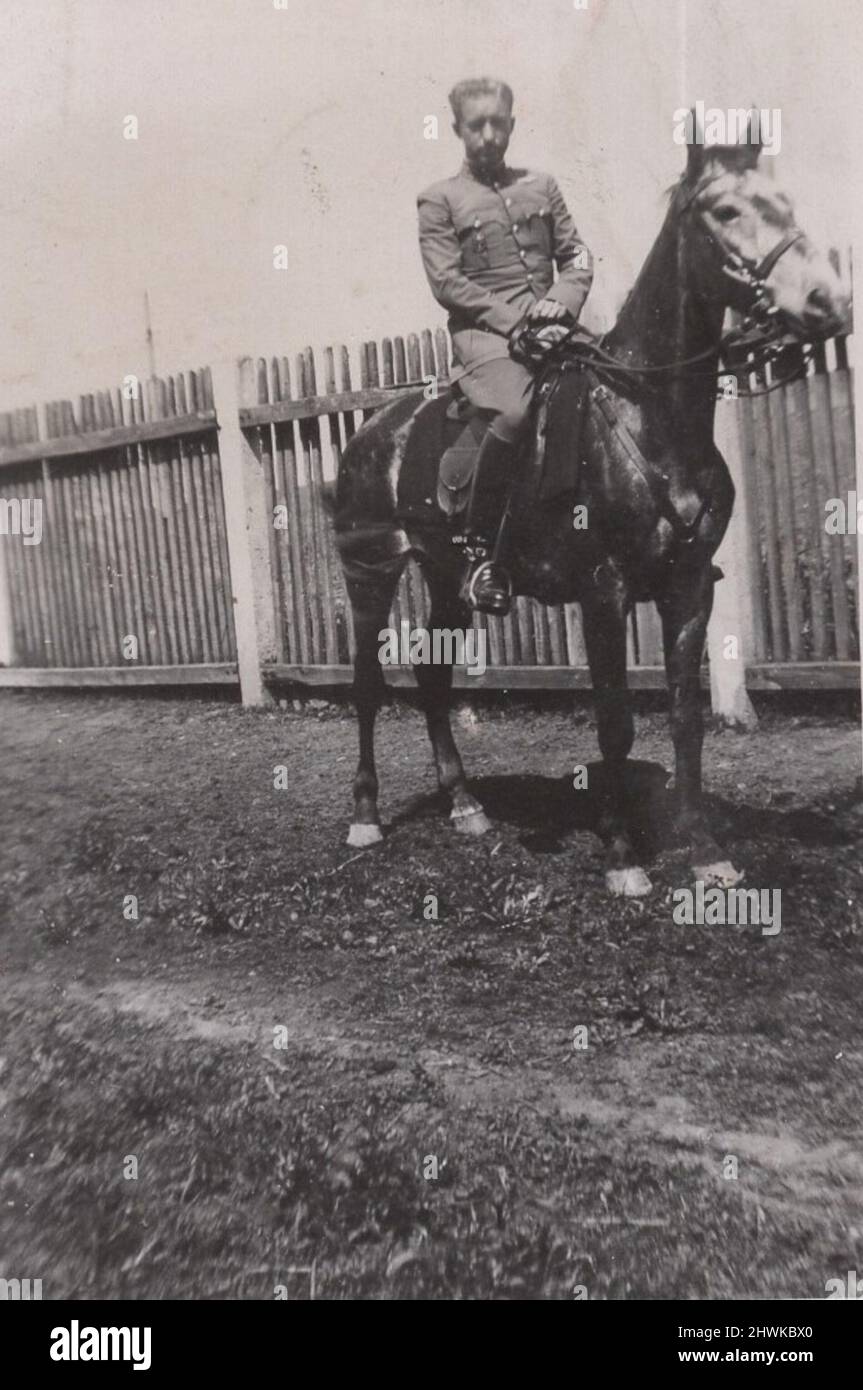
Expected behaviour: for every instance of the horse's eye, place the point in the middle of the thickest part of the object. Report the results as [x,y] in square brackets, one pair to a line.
[726,214]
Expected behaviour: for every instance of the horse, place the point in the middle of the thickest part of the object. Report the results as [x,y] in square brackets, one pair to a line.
[657,492]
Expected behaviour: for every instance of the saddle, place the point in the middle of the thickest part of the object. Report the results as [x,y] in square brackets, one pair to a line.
[444,442]
[465,429]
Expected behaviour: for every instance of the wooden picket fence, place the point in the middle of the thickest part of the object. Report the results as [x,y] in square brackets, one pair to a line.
[134,537]
[298,436]
[798,452]
[194,519]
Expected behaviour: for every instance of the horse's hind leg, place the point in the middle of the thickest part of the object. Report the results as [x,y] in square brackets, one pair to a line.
[371,600]
[604,613]
[435,687]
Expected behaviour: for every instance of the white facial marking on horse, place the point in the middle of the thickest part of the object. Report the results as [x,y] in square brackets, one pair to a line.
[747,215]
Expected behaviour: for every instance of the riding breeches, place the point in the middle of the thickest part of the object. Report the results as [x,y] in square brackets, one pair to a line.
[504,389]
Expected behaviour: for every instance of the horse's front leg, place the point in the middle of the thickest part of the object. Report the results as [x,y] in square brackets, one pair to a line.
[685,612]
[604,609]
[435,687]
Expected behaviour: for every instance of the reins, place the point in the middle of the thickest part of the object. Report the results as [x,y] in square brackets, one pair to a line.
[757,335]
[583,350]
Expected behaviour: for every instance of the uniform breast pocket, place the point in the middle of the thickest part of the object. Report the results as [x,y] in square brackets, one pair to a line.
[473,242]
[533,224]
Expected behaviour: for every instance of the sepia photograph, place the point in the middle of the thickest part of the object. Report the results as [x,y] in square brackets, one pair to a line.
[430,624]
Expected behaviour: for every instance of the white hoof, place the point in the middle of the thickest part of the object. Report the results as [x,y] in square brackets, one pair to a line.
[628,883]
[720,875]
[360,836]
[470,822]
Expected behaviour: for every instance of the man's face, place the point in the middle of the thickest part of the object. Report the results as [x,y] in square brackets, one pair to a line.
[485,126]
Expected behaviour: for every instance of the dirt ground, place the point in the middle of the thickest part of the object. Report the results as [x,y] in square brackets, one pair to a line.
[286,1074]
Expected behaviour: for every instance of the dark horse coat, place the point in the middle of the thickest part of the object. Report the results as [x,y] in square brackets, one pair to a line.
[657,492]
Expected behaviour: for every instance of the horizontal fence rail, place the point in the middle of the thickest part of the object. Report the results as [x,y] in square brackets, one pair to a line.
[200,528]
[133,542]
[298,437]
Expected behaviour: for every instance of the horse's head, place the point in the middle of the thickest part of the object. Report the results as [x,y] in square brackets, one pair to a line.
[750,248]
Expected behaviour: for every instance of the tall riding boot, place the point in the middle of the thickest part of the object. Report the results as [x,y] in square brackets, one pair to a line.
[487,586]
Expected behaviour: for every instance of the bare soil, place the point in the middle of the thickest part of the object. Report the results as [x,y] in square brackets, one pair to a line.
[290,1048]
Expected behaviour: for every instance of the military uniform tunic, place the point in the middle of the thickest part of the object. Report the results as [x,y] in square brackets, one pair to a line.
[490,248]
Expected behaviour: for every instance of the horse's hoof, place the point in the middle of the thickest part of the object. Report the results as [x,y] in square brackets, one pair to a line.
[628,883]
[722,874]
[361,836]
[470,822]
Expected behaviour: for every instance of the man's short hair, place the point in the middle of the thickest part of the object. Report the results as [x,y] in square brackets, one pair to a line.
[478,87]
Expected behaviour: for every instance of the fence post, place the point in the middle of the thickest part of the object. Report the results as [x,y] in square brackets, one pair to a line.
[729,632]
[246,523]
[857,417]
[7,628]
[7,622]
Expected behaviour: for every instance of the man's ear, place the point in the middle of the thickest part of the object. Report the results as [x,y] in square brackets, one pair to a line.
[511,124]
[456,130]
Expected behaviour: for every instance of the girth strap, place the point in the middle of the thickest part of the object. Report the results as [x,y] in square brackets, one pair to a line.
[657,483]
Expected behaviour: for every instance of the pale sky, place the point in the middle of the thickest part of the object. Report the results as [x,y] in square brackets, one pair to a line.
[304,126]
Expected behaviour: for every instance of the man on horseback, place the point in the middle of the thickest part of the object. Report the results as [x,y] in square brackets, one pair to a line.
[490,239]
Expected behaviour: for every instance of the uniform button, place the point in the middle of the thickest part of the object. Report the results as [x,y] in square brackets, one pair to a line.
[509,202]
[515,226]
[523,255]
[476,222]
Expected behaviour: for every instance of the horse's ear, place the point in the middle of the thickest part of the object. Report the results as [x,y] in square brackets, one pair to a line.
[750,156]
[695,145]
[694,162]
[753,135]
[741,156]
[747,151]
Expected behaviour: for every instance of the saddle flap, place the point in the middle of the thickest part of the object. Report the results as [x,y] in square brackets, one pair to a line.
[457,467]
[561,413]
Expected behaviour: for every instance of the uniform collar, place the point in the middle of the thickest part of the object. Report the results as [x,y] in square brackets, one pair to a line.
[500,178]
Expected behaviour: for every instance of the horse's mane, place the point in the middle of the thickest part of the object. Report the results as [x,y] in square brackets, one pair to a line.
[672,197]
[676,196]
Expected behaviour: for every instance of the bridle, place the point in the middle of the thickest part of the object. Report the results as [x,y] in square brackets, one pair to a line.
[742,269]
[759,335]
[759,332]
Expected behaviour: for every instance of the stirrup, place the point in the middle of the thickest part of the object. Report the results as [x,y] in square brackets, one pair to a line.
[488,570]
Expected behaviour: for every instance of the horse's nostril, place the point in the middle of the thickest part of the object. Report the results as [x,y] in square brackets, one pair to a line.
[818,304]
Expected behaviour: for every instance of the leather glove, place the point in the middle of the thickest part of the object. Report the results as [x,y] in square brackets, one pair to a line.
[530,343]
